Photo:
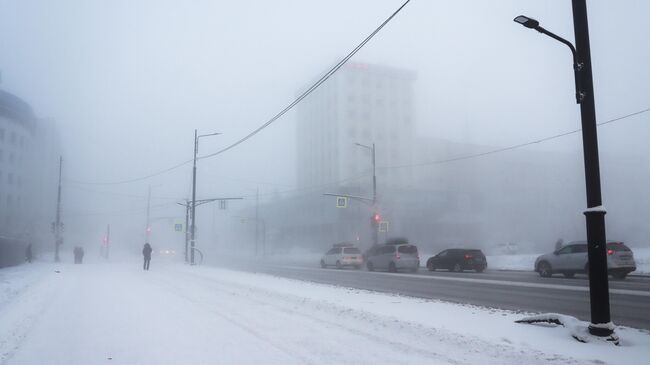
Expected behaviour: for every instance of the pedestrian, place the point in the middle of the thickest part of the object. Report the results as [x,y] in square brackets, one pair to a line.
[28,253]
[78,254]
[146,252]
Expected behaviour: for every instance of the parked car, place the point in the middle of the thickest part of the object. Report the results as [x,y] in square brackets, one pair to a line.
[572,259]
[342,255]
[393,256]
[458,259]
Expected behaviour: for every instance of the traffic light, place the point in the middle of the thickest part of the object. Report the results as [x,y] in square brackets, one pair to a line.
[376,218]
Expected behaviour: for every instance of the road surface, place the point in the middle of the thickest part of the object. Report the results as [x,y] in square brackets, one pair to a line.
[512,290]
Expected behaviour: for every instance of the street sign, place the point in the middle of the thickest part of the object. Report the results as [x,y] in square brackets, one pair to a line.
[341,202]
[178,227]
[383,226]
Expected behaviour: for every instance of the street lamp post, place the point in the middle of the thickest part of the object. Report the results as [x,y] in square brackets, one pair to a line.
[595,214]
[374,224]
[193,211]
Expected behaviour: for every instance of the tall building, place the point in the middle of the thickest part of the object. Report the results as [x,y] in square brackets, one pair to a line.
[361,103]
[28,151]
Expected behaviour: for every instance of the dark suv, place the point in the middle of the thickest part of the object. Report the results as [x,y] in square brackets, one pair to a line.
[458,259]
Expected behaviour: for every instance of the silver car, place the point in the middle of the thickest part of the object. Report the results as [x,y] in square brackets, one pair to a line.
[572,259]
[342,256]
[393,257]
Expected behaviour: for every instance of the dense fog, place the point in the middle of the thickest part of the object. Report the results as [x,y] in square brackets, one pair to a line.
[460,101]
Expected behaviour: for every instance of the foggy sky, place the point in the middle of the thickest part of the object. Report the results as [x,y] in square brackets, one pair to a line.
[127,82]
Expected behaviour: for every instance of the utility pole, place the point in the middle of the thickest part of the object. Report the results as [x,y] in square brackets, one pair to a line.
[148,227]
[58,240]
[187,231]
[108,240]
[192,229]
[595,213]
[257,217]
[193,213]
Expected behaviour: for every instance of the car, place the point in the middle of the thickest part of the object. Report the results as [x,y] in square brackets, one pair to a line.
[342,255]
[393,256]
[458,259]
[572,259]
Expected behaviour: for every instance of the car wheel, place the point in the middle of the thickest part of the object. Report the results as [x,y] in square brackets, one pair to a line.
[430,266]
[322,264]
[480,269]
[619,275]
[392,267]
[338,265]
[544,269]
[569,275]
[457,268]
[370,266]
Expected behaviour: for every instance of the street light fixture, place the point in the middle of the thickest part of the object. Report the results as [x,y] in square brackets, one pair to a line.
[595,213]
[577,66]
[193,228]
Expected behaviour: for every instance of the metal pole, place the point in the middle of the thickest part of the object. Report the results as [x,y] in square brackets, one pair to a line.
[375,225]
[192,229]
[187,230]
[257,217]
[595,215]
[57,224]
[148,227]
[108,240]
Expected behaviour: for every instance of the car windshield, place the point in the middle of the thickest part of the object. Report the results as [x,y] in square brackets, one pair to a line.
[351,250]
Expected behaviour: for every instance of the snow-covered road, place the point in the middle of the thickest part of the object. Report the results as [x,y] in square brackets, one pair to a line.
[110,313]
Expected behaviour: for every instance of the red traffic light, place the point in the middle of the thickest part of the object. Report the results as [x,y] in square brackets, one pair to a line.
[376,217]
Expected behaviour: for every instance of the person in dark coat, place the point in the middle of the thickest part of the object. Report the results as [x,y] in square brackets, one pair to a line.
[29,256]
[78,255]
[146,252]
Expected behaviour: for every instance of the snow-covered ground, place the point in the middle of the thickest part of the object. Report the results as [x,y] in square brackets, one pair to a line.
[175,314]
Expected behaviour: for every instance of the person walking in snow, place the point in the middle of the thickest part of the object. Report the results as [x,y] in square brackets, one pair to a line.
[28,253]
[78,254]
[146,252]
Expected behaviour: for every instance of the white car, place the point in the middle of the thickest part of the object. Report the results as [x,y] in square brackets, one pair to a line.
[342,256]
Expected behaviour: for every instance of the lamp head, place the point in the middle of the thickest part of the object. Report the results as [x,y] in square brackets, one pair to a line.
[527,22]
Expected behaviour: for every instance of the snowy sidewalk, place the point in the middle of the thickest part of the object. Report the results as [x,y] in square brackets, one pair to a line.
[109,313]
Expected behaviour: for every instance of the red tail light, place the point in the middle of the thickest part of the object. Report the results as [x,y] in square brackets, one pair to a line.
[611,252]
[468,256]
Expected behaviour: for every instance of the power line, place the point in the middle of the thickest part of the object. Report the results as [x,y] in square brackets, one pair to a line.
[503,149]
[135,179]
[313,87]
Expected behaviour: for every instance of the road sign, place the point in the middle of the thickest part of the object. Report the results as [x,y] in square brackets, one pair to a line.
[341,202]
[383,226]
[178,227]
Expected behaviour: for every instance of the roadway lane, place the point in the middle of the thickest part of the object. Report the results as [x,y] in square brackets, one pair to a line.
[519,291]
